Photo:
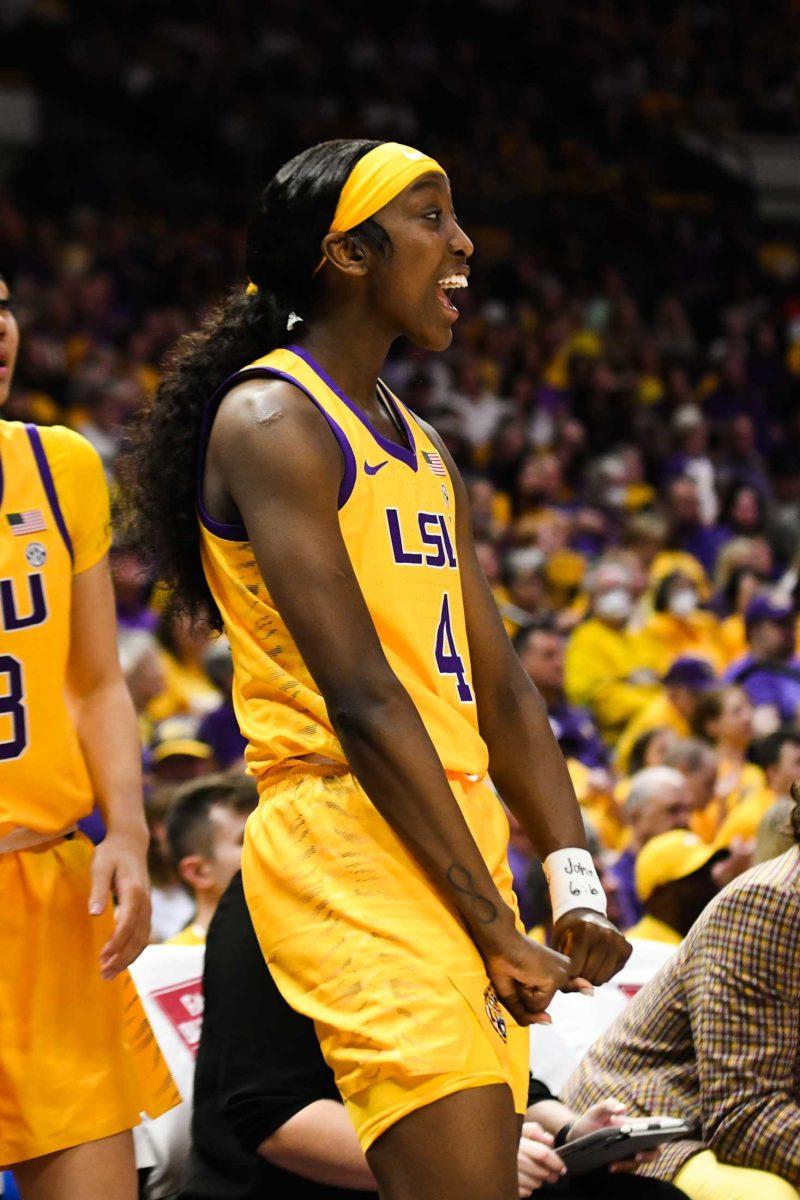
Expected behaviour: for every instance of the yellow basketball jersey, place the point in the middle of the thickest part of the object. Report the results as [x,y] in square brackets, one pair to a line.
[397,516]
[54,523]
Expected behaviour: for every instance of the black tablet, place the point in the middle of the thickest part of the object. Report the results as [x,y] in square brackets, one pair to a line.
[619,1142]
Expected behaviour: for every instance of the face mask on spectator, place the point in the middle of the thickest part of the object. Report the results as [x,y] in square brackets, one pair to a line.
[683,602]
[614,605]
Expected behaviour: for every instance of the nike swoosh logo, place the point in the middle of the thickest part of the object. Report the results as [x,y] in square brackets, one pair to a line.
[374,470]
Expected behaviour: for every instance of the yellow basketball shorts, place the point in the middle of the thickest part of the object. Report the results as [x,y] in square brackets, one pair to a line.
[78,1060]
[358,938]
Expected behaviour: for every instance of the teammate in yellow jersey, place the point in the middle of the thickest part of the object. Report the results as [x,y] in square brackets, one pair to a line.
[77,1062]
[373,677]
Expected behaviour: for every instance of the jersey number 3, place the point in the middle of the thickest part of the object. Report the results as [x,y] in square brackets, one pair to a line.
[12,705]
[448,660]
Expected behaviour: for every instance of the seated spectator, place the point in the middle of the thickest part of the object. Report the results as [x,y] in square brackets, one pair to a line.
[144,674]
[737,585]
[189,690]
[205,830]
[601,671]
[690,458]
[649,750]
[524,580]
[658,801]
[775,835]
[724,718]
[172,906]
[176,753]
[714,1039]
[600,804]
[549,1122]
[269,1121]
[132,590]
[672,708]
[675,880]
[697,763]
[690,532]
[770,671]
[778,755]
[540,647]
[744,513]
[219,729]
[678,627]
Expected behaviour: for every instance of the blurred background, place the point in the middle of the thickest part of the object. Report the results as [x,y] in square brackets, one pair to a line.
[622,390]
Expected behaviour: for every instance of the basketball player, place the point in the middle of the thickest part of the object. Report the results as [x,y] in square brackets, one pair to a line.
[373,678]
[77,1062]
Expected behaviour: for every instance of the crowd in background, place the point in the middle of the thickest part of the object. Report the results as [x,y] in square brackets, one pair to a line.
[621,396]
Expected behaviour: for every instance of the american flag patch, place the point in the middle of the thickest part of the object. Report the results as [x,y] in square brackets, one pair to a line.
[30,521]
[435,463]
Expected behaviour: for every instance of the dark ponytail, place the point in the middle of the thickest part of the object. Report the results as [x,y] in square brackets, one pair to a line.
[159,468]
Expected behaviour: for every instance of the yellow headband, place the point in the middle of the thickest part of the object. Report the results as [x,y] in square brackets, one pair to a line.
[376,179]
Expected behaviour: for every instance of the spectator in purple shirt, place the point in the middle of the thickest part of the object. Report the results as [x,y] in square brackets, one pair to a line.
[657,802]
[219,729]
[770,672]
[689,532]
[540,647]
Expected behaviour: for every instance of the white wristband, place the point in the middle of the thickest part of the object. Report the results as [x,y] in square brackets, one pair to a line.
[573,882]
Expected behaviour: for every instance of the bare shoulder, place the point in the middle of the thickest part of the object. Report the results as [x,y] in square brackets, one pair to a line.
[270,419]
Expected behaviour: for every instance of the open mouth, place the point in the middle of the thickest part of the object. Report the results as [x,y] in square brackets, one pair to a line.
[447,286]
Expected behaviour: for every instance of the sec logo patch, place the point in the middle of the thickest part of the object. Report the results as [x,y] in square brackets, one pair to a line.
[36,554]
[494,1012]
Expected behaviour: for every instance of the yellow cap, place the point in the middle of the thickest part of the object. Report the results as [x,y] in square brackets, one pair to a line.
[668,857]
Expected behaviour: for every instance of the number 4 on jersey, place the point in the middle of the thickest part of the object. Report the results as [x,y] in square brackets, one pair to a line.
[448,660]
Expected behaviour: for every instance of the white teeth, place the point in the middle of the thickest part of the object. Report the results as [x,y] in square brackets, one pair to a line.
[454,281]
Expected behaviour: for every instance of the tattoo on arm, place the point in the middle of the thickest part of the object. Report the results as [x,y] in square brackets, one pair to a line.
[461,881]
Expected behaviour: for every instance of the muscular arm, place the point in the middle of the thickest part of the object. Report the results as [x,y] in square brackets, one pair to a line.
[282,469]
[525,761]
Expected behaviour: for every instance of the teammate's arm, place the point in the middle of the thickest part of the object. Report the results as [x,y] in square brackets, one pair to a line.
[525,761]
[275,456]
[106,724]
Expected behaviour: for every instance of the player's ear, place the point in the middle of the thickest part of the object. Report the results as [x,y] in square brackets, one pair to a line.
[195,870]
[345,253]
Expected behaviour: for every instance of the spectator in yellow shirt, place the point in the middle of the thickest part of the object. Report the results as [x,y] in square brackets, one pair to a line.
[673,708]
[697,762]
[601,670]
[724,718]
[205,829]
[188,690]
[779,756]
[678,627]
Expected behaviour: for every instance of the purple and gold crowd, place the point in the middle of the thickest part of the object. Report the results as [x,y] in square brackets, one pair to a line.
[636,501]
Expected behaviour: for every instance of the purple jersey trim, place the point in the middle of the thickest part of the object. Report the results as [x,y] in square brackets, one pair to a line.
[49,486]
[406,454]
[237,532]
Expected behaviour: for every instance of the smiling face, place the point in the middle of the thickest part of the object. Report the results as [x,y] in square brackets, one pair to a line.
[9,341]
[410,291]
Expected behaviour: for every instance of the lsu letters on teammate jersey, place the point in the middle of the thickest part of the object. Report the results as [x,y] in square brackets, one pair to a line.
[54,524]
[397,516]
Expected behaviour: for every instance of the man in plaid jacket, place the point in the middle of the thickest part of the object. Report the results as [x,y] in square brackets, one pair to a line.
[714,1038]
